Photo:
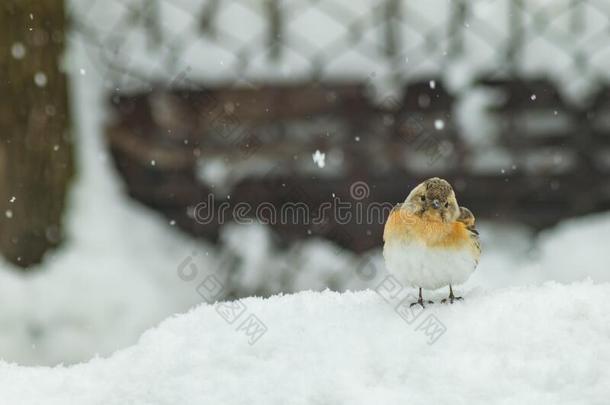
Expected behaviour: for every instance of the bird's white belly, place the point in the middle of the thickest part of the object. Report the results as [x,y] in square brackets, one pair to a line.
[417,265]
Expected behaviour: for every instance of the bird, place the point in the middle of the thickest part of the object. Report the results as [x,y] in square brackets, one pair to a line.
[430,241]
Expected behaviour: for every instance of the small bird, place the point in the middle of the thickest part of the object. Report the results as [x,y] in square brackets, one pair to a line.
[430,241]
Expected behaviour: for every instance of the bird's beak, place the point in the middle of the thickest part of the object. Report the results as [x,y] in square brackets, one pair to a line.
[436,204]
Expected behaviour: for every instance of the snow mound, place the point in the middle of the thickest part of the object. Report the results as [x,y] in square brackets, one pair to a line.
[586,244]
[547,344]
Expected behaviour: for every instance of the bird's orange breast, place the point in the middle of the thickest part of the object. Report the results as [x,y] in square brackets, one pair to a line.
[402,225]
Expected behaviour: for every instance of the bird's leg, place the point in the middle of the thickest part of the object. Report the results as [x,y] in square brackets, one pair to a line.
[420,301]
[451,297]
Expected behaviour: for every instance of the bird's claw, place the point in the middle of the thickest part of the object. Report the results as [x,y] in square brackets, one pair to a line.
[451,299]
[421,302]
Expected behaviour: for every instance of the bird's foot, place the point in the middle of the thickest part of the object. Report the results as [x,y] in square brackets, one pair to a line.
[451,299]
[421,302]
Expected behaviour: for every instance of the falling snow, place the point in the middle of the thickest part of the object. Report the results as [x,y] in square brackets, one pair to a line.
[18,50]
[319,158]
[40,79]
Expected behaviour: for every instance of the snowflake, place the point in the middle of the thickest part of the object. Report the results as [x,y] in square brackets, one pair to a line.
[319,158]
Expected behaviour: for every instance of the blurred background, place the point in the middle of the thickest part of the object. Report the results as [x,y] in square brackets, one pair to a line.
[121,119]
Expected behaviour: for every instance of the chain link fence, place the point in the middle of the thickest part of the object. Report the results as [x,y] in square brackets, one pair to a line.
[385,42]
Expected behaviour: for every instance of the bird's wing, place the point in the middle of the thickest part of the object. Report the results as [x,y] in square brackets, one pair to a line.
[467,218]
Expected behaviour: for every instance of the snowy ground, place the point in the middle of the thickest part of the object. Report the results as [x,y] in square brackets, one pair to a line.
[516,345]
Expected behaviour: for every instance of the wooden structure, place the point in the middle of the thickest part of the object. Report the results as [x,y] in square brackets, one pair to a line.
[166,144]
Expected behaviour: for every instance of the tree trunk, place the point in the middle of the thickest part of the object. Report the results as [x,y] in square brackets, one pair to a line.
[36,161]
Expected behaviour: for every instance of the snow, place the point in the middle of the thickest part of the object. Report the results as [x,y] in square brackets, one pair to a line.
[576,249]
[40,79]
[18,50]
[545,344]
[319,158]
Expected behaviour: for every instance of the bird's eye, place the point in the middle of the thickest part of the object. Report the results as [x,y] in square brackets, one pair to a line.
[423,198]
[446,205]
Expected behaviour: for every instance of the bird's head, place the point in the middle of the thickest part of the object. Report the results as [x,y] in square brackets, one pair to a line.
[435,200]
